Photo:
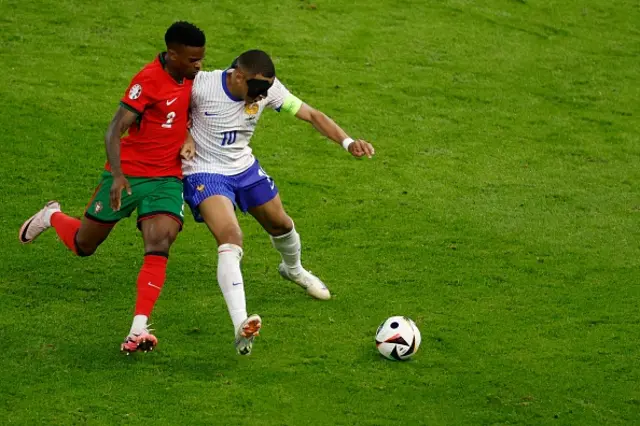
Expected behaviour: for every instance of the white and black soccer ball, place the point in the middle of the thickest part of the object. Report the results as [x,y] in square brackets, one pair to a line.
[398,338]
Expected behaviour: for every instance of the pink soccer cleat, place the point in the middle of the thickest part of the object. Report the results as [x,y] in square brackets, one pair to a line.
[143,342]
[38,223]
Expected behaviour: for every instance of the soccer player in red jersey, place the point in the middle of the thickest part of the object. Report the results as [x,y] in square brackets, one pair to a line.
[143,172]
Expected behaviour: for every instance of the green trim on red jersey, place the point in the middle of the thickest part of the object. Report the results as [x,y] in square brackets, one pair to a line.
[130,108]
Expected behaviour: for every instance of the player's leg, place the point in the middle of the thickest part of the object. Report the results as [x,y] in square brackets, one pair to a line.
[284,237]
[158,234]
[209,197]
[261,199]
[84,236]
[274,219]
[160,216]
[218,213]
[88,236]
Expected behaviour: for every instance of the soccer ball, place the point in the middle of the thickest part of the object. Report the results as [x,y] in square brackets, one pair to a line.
[398,338]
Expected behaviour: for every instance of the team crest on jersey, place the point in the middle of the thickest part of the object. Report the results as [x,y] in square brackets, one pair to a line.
[251,109]
[98,207]
[200,188]
[135,91]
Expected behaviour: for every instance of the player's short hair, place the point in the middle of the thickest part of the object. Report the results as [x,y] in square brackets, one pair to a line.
[184,33]
[256,62]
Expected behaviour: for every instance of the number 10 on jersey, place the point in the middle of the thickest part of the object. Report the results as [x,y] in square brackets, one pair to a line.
[229,138]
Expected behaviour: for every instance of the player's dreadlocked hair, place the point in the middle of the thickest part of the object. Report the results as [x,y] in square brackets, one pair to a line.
[256,62]
[184,33]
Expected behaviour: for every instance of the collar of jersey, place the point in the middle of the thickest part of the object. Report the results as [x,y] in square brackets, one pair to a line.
[162,65]
[226,89]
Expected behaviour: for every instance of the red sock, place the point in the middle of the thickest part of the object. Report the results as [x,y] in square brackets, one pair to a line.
[66,227]
[150,282]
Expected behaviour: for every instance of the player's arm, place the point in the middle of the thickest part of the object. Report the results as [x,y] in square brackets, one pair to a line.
[121,121]
[282,100]
[327,127]
[188,150]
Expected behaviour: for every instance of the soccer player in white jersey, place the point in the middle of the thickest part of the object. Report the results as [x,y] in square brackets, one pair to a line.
[225,108]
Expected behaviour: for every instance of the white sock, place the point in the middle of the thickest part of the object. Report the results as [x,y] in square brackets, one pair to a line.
[231,284]
[139,324]
[289,247]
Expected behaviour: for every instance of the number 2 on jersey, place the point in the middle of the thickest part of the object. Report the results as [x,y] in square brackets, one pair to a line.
[229,138]
[170,117]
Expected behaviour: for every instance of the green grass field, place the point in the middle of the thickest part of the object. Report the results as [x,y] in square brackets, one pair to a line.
[501,213]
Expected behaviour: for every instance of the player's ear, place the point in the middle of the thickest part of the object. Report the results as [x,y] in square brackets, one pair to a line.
[238,75]
[172,54]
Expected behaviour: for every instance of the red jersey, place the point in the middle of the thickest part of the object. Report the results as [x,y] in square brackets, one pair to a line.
[152,146]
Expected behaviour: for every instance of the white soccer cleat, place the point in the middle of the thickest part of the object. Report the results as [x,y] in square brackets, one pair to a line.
[308,281]
[249,329]
[37,224]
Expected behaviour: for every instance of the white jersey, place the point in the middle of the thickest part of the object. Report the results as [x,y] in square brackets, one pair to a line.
[223,125]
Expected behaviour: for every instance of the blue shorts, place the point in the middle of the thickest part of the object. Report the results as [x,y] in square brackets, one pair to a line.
[249,189]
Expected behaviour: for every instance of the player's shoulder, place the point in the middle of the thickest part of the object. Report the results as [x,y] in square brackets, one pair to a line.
[206,76]
[207,80]
[278,90]
[152,67]
[279,85]
[149,72]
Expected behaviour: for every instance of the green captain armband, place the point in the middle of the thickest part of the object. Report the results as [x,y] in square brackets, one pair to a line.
[291,105]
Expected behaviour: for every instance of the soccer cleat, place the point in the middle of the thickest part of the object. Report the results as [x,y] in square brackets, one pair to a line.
[36,224]
[249,329]
[143,342]
[308,281]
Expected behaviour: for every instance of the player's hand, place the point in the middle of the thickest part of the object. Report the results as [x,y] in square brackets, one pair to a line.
[119,183]
[188,150]
[360,148]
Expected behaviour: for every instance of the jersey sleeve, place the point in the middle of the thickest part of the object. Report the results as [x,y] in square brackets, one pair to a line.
[139,93]
[277,96]
[196,91]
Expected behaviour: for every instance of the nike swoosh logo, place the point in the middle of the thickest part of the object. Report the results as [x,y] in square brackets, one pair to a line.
[169,102]
[237,283]
[209,114]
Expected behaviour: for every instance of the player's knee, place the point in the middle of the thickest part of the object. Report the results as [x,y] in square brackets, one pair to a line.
[86,243]
[158,246]
[84,247]
[281,226]
[160,240]
[230,235]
